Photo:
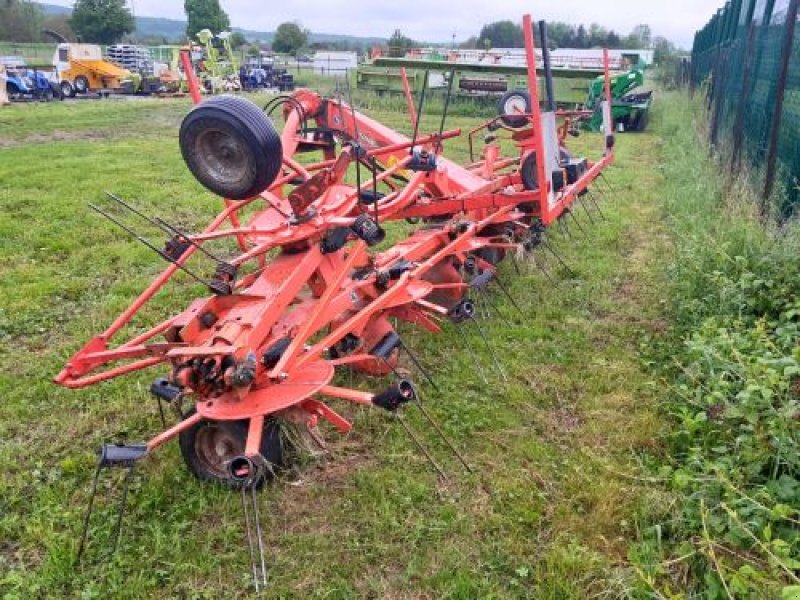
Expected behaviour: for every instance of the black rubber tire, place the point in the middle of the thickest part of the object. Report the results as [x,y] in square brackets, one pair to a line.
[271,449]
[58,94]
[529,172]
[245,153]
[47,95]
[67,89]
[508,119]
[81,84]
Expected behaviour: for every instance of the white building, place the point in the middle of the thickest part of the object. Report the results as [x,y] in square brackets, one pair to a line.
[334,63]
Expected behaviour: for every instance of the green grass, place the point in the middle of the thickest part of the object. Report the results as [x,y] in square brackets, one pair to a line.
[558,493]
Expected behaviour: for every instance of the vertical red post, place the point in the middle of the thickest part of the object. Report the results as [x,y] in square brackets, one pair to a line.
[191,77]
[409,100]
[536,117]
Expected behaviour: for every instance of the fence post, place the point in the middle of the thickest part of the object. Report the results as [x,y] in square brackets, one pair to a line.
[720,82]
[744,98]
[780,92]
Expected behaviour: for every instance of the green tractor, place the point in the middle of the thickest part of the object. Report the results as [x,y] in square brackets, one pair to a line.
[629,111]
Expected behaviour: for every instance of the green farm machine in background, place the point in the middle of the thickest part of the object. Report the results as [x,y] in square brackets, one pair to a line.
[574,87]
[630,111]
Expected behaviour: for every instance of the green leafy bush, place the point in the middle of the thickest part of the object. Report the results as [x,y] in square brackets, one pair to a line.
[731,363]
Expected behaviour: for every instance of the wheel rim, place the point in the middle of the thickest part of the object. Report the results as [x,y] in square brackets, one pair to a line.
[515,105]
[223,158]
[215,448]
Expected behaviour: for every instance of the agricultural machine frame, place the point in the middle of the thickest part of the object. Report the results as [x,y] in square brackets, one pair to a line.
[309,292]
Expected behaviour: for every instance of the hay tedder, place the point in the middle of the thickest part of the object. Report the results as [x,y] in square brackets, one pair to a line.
[313,289]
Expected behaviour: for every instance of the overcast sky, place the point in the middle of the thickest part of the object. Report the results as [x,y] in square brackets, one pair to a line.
[437,20]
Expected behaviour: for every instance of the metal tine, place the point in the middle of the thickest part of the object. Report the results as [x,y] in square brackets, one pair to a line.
[588,214]
[472,353]
[428,416]
[603,193]
[563,229]
[607,182]
[578,223]
[560,260]
[546,273]
[490,349]
[539,265]
[515,262]
[121,511]
[161,413]
[87,517]
[438,429]
[250,541]
[422,448]
[508,295]
[481,303]
[163,226]
[418,365]
[596,205]
[488,297]
[259,532]
[153,247]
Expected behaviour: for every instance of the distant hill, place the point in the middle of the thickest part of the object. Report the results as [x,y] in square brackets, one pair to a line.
[175,30]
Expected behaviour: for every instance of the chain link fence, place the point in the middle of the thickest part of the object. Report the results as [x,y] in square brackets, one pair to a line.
[747,59]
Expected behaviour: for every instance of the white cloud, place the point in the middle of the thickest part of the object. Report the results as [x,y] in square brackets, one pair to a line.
[438,20]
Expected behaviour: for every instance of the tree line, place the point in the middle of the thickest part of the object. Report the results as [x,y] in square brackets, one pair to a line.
[109,21]
[507,34]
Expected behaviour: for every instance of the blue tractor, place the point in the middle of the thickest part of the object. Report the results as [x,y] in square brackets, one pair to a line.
[29,83]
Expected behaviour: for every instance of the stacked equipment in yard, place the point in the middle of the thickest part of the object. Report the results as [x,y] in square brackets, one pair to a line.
[132,58]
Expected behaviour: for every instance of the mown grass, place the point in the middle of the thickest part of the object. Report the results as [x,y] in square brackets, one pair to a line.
[558,494]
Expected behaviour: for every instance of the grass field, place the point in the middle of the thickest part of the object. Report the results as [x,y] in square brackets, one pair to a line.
[559,490]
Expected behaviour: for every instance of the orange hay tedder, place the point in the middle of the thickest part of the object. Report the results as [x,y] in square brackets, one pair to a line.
[306,293]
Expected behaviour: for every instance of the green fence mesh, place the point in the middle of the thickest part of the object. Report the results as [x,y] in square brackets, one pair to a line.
[738,57]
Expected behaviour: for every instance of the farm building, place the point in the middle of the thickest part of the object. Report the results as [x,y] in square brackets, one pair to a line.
[333,63]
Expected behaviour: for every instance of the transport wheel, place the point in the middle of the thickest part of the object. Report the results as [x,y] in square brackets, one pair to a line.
[209,446]
[231,147]
[67,90]
[511,104]
[47,95]
[81,84]
[529,173]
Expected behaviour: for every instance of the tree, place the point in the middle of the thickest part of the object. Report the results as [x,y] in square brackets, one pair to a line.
[664,50]
[399,43]
[501,34]
[640,38]
[101,21]
[20,21]
[561,35]
[470,43]
[581,38]
[237,40]
[289,38]
[204,14]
